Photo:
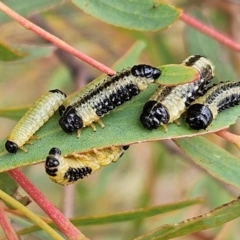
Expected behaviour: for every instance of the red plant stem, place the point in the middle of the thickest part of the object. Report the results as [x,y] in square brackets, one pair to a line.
[220,37]
[6,226]
[56,41]
[60,220]
[234,139]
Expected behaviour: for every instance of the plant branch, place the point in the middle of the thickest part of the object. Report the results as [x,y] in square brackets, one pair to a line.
[43,225]
[234,139]
[56,41]
[220,37]
[60,220]
[6,226]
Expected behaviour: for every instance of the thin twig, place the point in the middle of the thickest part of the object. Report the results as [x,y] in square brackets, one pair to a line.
[56,41]
[80,75]
[6,226]
[220,37]
[60,220]
[43,225]
[233,138]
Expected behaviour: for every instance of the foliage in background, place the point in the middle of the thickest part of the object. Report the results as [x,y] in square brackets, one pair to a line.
[148,174]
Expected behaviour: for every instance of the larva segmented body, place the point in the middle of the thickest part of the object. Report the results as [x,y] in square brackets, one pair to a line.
[34,118]
[68,169]
[103,95]
[168,103]
[206,108]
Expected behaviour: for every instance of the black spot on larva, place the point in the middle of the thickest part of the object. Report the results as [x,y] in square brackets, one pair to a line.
[58,91]
[191,60]
[51,172]
[73,174]
[133,89]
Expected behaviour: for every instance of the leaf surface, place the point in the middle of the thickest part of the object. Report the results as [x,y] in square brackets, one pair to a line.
[147,15]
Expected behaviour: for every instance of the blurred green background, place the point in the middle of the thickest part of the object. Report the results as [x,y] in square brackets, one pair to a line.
[150,173]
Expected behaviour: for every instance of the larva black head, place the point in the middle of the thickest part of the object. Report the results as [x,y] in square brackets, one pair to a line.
[52,162]
[153,115]
[198,116]
[55,151]
[146,71]
[70,121]
[11,147]
[57,91]
[125,147]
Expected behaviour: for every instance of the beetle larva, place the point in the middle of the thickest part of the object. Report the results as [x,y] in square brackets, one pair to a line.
[34,118]
[168,103]
[206,108]
[68,169]
[103,95]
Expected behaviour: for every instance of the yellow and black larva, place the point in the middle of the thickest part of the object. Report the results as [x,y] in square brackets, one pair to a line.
[68,169]
[206,108]
[168,103]
[103,95]
[33,119]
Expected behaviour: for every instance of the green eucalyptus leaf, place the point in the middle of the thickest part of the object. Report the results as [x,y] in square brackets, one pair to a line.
[147,15]
[214,159]
[122,126]
[122,216]
[25,7]
[35,51]
[175,74]
[216,217]
[24,53]
[13,113]
[8,53]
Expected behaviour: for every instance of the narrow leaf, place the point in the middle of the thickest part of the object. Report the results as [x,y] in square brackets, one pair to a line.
[215,160]
[13,113]
[122,126]
[218,216]
[123,216]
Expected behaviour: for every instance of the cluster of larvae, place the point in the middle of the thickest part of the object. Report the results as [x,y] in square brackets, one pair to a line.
[98,98]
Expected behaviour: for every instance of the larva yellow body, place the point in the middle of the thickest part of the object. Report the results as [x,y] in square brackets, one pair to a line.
[168,103]
[34,118]
[103,95]
[68,169]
